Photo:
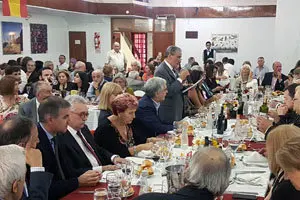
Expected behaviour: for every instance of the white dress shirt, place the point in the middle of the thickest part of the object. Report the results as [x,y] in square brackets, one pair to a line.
[86,151]
[37,110]
[63,66]
[116,59]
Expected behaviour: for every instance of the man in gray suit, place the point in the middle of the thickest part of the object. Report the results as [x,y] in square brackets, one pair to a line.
[171,109]
[42,91]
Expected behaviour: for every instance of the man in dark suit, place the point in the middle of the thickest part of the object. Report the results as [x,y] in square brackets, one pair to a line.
[23,132]
[172,108]
[43,90]
[53,115]
[77,147]
[199,183]
[209,53]
[147,122]
[275,79]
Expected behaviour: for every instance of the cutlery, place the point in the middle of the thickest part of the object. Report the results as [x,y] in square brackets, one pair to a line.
[86,192]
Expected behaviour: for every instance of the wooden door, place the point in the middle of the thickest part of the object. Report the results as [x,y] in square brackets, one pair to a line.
[77,45]
[161,41]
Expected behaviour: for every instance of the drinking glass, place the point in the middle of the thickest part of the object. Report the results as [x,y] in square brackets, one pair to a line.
[100,194]
[113,186]
[125,184]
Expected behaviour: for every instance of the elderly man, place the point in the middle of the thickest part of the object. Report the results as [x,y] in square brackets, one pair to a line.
[23,132]
[134,81]
[29,109]
[117,58]
[147,121]
[275,79]
[63,65]
[97,84]
[12,172]
[207,177]
[79,66]
[172,108]
[136,66]
[286,113]
[54,116]
[77,147]
[260,71]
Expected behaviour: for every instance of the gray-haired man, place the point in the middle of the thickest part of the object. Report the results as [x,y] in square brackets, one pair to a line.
[147,121]
[206,177]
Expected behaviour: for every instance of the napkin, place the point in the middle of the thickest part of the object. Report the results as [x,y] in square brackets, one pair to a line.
[251,179]
[136,160]
[145,153]
[255,158]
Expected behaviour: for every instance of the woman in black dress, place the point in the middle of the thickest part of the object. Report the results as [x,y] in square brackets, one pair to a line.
[211,81]
[64,84]
[116,133]
[82,82]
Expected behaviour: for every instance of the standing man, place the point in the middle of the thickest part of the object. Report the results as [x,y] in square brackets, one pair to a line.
[275,79]
[260,71]
[116,58]
[172,108]
[62,63]
[209,53]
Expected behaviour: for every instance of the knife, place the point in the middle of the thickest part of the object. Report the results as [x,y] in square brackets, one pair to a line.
[86,192]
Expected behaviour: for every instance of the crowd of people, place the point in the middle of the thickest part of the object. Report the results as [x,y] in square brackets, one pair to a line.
[44,108]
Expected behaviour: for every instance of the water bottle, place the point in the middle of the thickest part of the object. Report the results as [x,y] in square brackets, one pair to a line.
[144,182]
[184,138]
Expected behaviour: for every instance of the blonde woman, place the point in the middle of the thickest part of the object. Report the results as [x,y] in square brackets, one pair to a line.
[108,94]
[245,78]
[275,140]
[288,159]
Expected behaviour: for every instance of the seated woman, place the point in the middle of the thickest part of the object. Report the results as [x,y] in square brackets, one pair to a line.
[9,99]
[108,72]
[134,81]
[121,80]
[116,134]
[148,72]
[107,95]
[82,82]
[211,72]
[196,94]
[275,140]
[245,79]
[64,83]
[288,159]
[221,72]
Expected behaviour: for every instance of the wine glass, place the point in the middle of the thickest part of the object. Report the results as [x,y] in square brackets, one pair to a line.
[113,186]
[100,194]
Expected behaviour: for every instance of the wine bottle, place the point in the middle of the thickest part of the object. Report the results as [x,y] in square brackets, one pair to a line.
[220,122]
[263,110]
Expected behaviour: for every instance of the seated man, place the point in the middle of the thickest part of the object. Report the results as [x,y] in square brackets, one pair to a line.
[77,147]
[206,177]
[286,113]
[147,122]
[97,84]
[54,115]
[275,79]
[23,132]
[43,90]
[12,172]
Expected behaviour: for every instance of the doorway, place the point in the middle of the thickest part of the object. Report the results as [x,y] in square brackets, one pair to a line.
[77,45]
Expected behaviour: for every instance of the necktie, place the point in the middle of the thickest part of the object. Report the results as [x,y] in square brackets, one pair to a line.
[175,73]
[88,146]
[54,139]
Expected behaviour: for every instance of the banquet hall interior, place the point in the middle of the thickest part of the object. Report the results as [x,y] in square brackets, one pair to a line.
[149,99]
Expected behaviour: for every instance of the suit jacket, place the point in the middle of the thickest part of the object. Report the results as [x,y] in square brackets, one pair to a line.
[39,185]
[75,162]
[59,187]
[147,123]
[185,193]
[268,81]
[28,109]
[172,108]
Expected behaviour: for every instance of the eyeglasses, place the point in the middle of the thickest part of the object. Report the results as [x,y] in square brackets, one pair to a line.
[82,114]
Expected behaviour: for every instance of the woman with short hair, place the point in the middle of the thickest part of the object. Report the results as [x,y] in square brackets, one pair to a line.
[116,134]
[121,80]
[64,83]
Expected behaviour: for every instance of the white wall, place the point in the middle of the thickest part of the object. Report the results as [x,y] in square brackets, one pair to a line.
[91,24]
[59,24]
[256,38]
[57,37]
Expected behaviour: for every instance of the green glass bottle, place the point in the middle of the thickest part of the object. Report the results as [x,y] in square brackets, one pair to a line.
[264,109]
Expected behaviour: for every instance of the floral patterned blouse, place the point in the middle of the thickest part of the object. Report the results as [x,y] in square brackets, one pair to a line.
[6,111]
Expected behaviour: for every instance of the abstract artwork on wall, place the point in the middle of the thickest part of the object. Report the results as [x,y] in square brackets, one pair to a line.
[225,43]
[12,38]
[38,38]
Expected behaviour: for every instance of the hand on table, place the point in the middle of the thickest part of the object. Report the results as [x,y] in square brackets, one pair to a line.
[263,124]
[110,167]
[154,139]
[146,146]
[119,160]
[282,109]
[89,178]
[33,157]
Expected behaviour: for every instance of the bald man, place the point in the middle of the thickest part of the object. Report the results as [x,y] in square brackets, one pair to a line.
[275,79]
[116,58]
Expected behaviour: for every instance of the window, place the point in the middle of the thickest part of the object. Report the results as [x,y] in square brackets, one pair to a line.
[139,47]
